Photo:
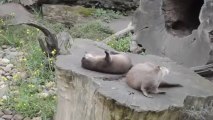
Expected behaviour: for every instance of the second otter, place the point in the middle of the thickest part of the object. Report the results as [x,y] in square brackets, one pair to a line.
[108,63]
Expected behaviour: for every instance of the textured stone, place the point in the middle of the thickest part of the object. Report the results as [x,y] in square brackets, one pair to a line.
[1,113]
[18,117]
[7,112]
[7,117]
[5,61]
[95,95]
[178,29]
[122,5]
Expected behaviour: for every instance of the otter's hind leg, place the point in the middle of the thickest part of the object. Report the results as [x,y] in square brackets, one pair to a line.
[145,93]
[157,91]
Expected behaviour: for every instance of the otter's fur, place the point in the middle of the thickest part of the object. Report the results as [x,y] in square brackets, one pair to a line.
[147,77]
[108,63]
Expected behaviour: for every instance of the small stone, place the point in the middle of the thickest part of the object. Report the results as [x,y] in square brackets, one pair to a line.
[1,113]
[7,112]
[10,65]
[4,46]
[13,49]
[9,77]
[27,118]
[18,117]
[7,69]
[7,117]
[5,61]
[24,75]
[37,118]
[1,72]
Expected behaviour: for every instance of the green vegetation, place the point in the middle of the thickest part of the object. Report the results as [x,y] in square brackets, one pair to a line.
[121,44]
[106,15]
[92,30]
[24,94]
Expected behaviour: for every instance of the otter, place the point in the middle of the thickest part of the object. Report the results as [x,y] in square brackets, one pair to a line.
[148,77]
[114,63]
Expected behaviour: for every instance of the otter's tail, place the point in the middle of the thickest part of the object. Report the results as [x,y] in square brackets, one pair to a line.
[168,85]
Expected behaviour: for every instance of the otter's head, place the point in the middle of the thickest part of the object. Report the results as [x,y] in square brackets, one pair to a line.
[88,60]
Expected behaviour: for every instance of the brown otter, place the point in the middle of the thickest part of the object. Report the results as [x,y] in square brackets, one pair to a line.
[147,77]
[115,63]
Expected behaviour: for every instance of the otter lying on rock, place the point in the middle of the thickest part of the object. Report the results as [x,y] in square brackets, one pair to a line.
[115,63]
[147,77]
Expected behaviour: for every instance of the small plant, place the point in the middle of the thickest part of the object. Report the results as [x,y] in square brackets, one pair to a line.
[121,44]
[106,15]
[92,30]
[86,11]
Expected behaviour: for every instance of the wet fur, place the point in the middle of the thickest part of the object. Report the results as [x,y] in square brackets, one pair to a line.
[109,63]
[147,77]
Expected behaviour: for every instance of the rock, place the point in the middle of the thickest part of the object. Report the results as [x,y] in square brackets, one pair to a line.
[7,112]
[108,96]
[7,69]
[5,61]
[65,42]
[37,118]
[18,117]
[27,118]
[2,119]
[124,5]
[60,13]
[13,50]
[179,33]
[1,113]
[10,66]
[4,46]
[7,117]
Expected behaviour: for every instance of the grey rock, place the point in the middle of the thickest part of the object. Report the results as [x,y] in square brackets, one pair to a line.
[7,69]
[121,5]
[27,118]
[10,66]
[2,119]
[1,113]
[78,87]
[37,118]
[7,112]
[4,46]
[7,117]
[5,61]
[13,50]
[18,117]
[183,34]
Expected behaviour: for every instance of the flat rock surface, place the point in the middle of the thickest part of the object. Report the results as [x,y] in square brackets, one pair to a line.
[113,88]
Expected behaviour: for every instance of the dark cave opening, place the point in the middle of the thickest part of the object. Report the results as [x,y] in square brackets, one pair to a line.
[181,16]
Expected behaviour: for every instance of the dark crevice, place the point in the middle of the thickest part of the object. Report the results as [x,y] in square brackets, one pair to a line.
[181,16]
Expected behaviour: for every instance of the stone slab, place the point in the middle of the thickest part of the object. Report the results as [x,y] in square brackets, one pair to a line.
[113,86]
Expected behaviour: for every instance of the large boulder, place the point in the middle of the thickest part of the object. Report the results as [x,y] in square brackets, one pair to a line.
[89,95]
[121,5]
[179,29]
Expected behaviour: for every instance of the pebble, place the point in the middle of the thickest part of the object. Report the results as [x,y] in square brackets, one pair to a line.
[10,65]
[37,118]
[7,117]
[18,117]
[27,118]
[5,61]
[1,113]
[4,46]
[7,112]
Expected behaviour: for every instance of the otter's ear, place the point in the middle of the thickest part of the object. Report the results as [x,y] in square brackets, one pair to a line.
[107,58]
